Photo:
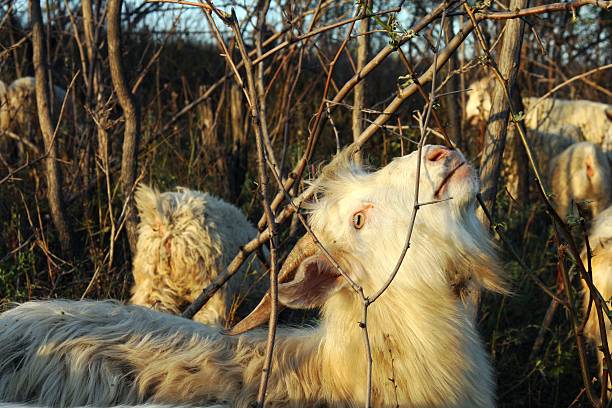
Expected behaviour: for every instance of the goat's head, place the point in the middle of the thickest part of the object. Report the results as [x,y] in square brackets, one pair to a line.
[172,232]
[362,220]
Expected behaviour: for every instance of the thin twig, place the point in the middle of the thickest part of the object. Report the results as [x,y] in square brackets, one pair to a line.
[567,82]
[183,3]
[258,118]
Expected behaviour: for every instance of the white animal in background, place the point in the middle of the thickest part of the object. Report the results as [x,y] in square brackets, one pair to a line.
[425,347]
[19,115]
[186,238]
[552,126]
[22,112]
[600,241]
[581,173]
[593,119]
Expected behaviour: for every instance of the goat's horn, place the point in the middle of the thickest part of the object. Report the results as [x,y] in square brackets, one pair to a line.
[304,248]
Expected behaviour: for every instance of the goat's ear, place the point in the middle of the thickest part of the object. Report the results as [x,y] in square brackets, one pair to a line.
[305,287]
[315,280]
[146,200]
[150,206]
[588,164]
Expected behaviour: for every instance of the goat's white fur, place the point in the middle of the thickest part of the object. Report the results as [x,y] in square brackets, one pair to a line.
[186,239]
[4,107]
[20,111]
[600,241]
[422,336]
[593,119]
[552,126]
[544,146]
[581,173]
[19,115]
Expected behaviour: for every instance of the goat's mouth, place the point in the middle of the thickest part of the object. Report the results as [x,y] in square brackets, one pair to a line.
[447,178]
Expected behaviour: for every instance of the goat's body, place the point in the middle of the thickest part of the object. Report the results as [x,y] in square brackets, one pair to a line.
[544,145]
[104,354]
[22,110]
[593,119]
[550,119]
[590,117]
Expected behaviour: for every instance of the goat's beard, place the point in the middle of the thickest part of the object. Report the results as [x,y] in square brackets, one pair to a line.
[477,252]
[463,187]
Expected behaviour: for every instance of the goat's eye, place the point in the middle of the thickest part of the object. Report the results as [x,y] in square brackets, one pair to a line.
[359,220]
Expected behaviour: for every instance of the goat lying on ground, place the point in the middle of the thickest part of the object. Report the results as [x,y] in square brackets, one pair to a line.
[425,348]
[600,241]
[185,239]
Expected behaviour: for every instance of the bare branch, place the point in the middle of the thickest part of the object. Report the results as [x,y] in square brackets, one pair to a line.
[131,115]
[52,170]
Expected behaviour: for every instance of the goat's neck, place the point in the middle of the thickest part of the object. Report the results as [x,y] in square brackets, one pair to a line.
[425,352]
[416,335]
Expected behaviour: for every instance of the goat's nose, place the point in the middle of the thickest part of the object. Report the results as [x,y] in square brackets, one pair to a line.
[437,153]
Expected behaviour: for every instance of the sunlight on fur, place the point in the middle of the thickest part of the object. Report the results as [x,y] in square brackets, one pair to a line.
[425,346]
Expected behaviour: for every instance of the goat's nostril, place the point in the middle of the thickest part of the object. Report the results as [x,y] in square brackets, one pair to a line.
[437,153]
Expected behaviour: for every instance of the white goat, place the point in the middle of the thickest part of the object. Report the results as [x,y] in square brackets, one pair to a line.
[581,173]
[187,238]
[425,348]
[600,241]
[552,126]
[19,113]
[593,119]
[21,104]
